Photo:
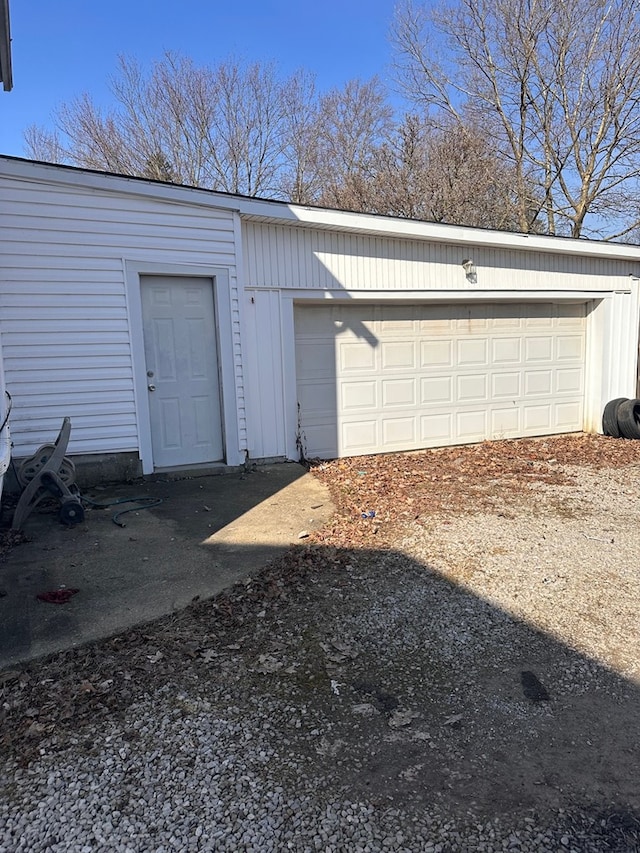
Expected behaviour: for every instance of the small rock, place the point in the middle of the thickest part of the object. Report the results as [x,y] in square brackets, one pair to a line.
[402,718]
[365,709]
[267,664]
[533,688]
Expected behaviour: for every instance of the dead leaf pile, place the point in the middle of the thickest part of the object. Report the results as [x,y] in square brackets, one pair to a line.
[377,496]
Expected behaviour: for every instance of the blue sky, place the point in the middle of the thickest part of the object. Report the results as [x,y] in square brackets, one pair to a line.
[61,49]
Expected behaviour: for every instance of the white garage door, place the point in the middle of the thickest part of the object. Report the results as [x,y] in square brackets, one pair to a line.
[373,379]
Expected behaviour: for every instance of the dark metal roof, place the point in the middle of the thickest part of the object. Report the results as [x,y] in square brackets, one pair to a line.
[6,76]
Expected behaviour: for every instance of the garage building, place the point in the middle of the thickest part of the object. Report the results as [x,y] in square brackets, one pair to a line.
[179,327]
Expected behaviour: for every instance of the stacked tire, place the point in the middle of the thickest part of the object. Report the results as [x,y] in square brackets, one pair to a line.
[621,418]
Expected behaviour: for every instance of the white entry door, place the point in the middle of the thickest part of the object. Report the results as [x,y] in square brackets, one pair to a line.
[182,370]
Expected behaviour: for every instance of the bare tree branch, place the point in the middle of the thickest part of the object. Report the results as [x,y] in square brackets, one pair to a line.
[557,85]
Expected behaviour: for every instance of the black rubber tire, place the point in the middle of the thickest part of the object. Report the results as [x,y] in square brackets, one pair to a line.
[628,415]
[610,417]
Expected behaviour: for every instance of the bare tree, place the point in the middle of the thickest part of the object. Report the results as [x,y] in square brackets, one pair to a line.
[222,128]
[398,185]
[468,183]
[242,129]
[301,181]
[555,84]
[234,127]
[352,124]
[247,131]
[449,175]
[44,144]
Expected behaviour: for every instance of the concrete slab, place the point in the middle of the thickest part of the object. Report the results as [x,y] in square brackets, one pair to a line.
[204,535]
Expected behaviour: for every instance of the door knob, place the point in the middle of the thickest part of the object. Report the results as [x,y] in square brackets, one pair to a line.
[151,387]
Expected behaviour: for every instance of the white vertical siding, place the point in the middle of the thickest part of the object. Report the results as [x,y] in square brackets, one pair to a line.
[308,258]
[5,440]
[236,288]
[63,303]
[613,352]
[264,373]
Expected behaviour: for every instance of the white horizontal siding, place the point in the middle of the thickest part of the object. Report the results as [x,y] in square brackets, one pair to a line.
[64,315]
[307,258]
[113,207]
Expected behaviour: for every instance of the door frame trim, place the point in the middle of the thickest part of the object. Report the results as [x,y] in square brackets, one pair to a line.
[224,337]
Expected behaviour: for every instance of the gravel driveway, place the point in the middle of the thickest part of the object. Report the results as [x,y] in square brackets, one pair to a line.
[458,672]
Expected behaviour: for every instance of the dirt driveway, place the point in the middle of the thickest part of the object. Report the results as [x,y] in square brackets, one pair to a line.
[455,656]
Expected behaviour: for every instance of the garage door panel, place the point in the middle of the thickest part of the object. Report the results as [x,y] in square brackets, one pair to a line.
[538,349]
[397,354]
[322,438]
[537,417]
[360,437]
[404,377]
[506,350]
[472,387]
[506,318]
[471,325]
[436,389]
[356,396]
[505,423]
[320,323]
[319,397]
[538,382]
[436,353]
[569,347]
[569,381]
[537,315]
[356,357]
[471,426]
[470,351]
[436,429]
[399,431]
[398,392]
[437,320]
[567,414]
[506,385]
[360,325]
[437,328]
[315,360]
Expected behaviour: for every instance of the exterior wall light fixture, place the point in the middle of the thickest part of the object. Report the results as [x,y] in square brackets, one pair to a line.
[470,271]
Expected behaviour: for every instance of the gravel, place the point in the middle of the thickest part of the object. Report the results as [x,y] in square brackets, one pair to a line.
[361,699]
[193,783]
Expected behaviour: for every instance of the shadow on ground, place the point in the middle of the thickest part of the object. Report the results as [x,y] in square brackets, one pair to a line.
[202,535]
[366,677]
